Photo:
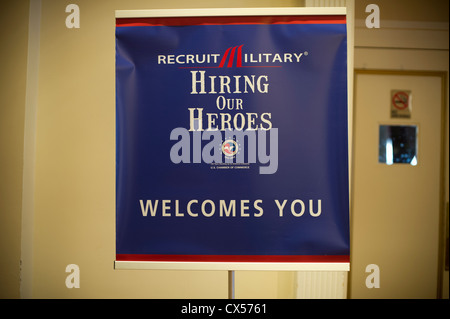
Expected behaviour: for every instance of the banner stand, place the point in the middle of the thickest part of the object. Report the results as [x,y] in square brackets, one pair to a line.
[325,259]
[231,284]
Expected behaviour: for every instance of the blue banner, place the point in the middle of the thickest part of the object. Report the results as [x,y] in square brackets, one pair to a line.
[231,139]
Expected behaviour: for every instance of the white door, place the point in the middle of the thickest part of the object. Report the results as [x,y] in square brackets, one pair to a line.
[396,207]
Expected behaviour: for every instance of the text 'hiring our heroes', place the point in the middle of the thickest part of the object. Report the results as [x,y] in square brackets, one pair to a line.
[235,122]
[223,84]
[231,116]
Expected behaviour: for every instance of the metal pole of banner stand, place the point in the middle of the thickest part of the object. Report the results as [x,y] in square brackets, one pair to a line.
[231,284]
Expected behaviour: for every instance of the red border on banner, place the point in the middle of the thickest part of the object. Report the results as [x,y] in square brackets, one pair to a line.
[188,21]
[236,258]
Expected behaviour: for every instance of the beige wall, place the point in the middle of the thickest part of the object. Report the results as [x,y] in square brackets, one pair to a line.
[13,54]
[406,10]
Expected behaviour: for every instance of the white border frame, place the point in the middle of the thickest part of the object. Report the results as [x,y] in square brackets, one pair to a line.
[218,12]
[231,266]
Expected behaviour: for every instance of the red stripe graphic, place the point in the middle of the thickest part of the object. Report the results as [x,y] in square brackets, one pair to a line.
[235,258]
[224,58]
[239,57]
[185,21]
[230,61]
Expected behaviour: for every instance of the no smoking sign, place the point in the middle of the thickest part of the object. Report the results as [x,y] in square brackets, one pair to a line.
[401,104]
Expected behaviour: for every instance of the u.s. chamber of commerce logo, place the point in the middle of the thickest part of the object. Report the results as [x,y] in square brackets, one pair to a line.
[230,148]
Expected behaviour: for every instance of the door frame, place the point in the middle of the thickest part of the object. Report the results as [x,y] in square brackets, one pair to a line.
[443,75]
